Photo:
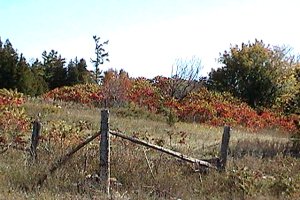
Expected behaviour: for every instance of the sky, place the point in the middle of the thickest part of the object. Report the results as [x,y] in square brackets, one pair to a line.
[146,37]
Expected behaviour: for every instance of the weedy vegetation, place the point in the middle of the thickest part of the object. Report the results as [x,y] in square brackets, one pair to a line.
[261,165]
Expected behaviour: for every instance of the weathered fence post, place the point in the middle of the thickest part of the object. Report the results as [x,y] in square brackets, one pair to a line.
[224,149]
[36,132]
[104,152]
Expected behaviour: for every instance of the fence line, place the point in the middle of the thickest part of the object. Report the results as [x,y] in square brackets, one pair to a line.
[105,151]
[104,167]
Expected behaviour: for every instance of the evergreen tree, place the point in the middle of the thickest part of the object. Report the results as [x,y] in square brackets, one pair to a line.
[40,85]
[24,77]
[73,74]
[78,73]
[55,73]
[85,75]
[101,56]
[8,63]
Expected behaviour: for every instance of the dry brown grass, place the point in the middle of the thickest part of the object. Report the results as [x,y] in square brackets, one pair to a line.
[141,173]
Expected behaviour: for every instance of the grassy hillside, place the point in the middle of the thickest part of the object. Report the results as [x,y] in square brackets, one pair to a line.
[259,165]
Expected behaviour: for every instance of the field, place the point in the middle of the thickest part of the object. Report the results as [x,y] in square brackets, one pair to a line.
[259,167]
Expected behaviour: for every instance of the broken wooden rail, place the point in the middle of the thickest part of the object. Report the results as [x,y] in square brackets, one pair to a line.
[63,159]
[164,150]
[105,133]
[105,151]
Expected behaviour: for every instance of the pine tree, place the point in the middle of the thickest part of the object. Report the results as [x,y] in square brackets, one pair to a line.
[73,74]
[55,73]
[8,63]
[24,77]
[78,73]
[40,85]
[101,56]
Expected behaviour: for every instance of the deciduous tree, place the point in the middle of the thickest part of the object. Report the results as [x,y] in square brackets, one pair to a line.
[251,72]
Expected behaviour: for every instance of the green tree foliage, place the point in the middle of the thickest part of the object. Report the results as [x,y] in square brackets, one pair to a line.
[101,56]
[73,74]
[40,84]
[15,72]
[39,77]
[253,72]
[55,72]
[85,75]
[289,82]
[78,73]
[8,62]
[24,77]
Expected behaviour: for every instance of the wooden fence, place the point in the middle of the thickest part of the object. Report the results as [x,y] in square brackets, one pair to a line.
[105,151]
[104,171]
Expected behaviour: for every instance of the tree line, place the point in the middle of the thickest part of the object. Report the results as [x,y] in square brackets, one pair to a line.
[41,75]
[261,75]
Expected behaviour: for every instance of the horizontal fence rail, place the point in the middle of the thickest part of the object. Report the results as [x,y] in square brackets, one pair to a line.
[164,150]
[104,144]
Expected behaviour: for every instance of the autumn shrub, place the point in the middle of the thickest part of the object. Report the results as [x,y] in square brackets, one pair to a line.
[13,120]
[141,173]
[113,92]
[144,94]
[132,110]
[203,106]
[163,84]
[116,87]
[220,109]
[81,93]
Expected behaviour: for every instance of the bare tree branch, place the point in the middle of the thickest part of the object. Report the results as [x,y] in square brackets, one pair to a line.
[185,77]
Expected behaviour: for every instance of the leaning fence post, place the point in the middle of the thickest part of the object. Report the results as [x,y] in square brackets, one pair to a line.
[36,132]
[224,148]
[104,152]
